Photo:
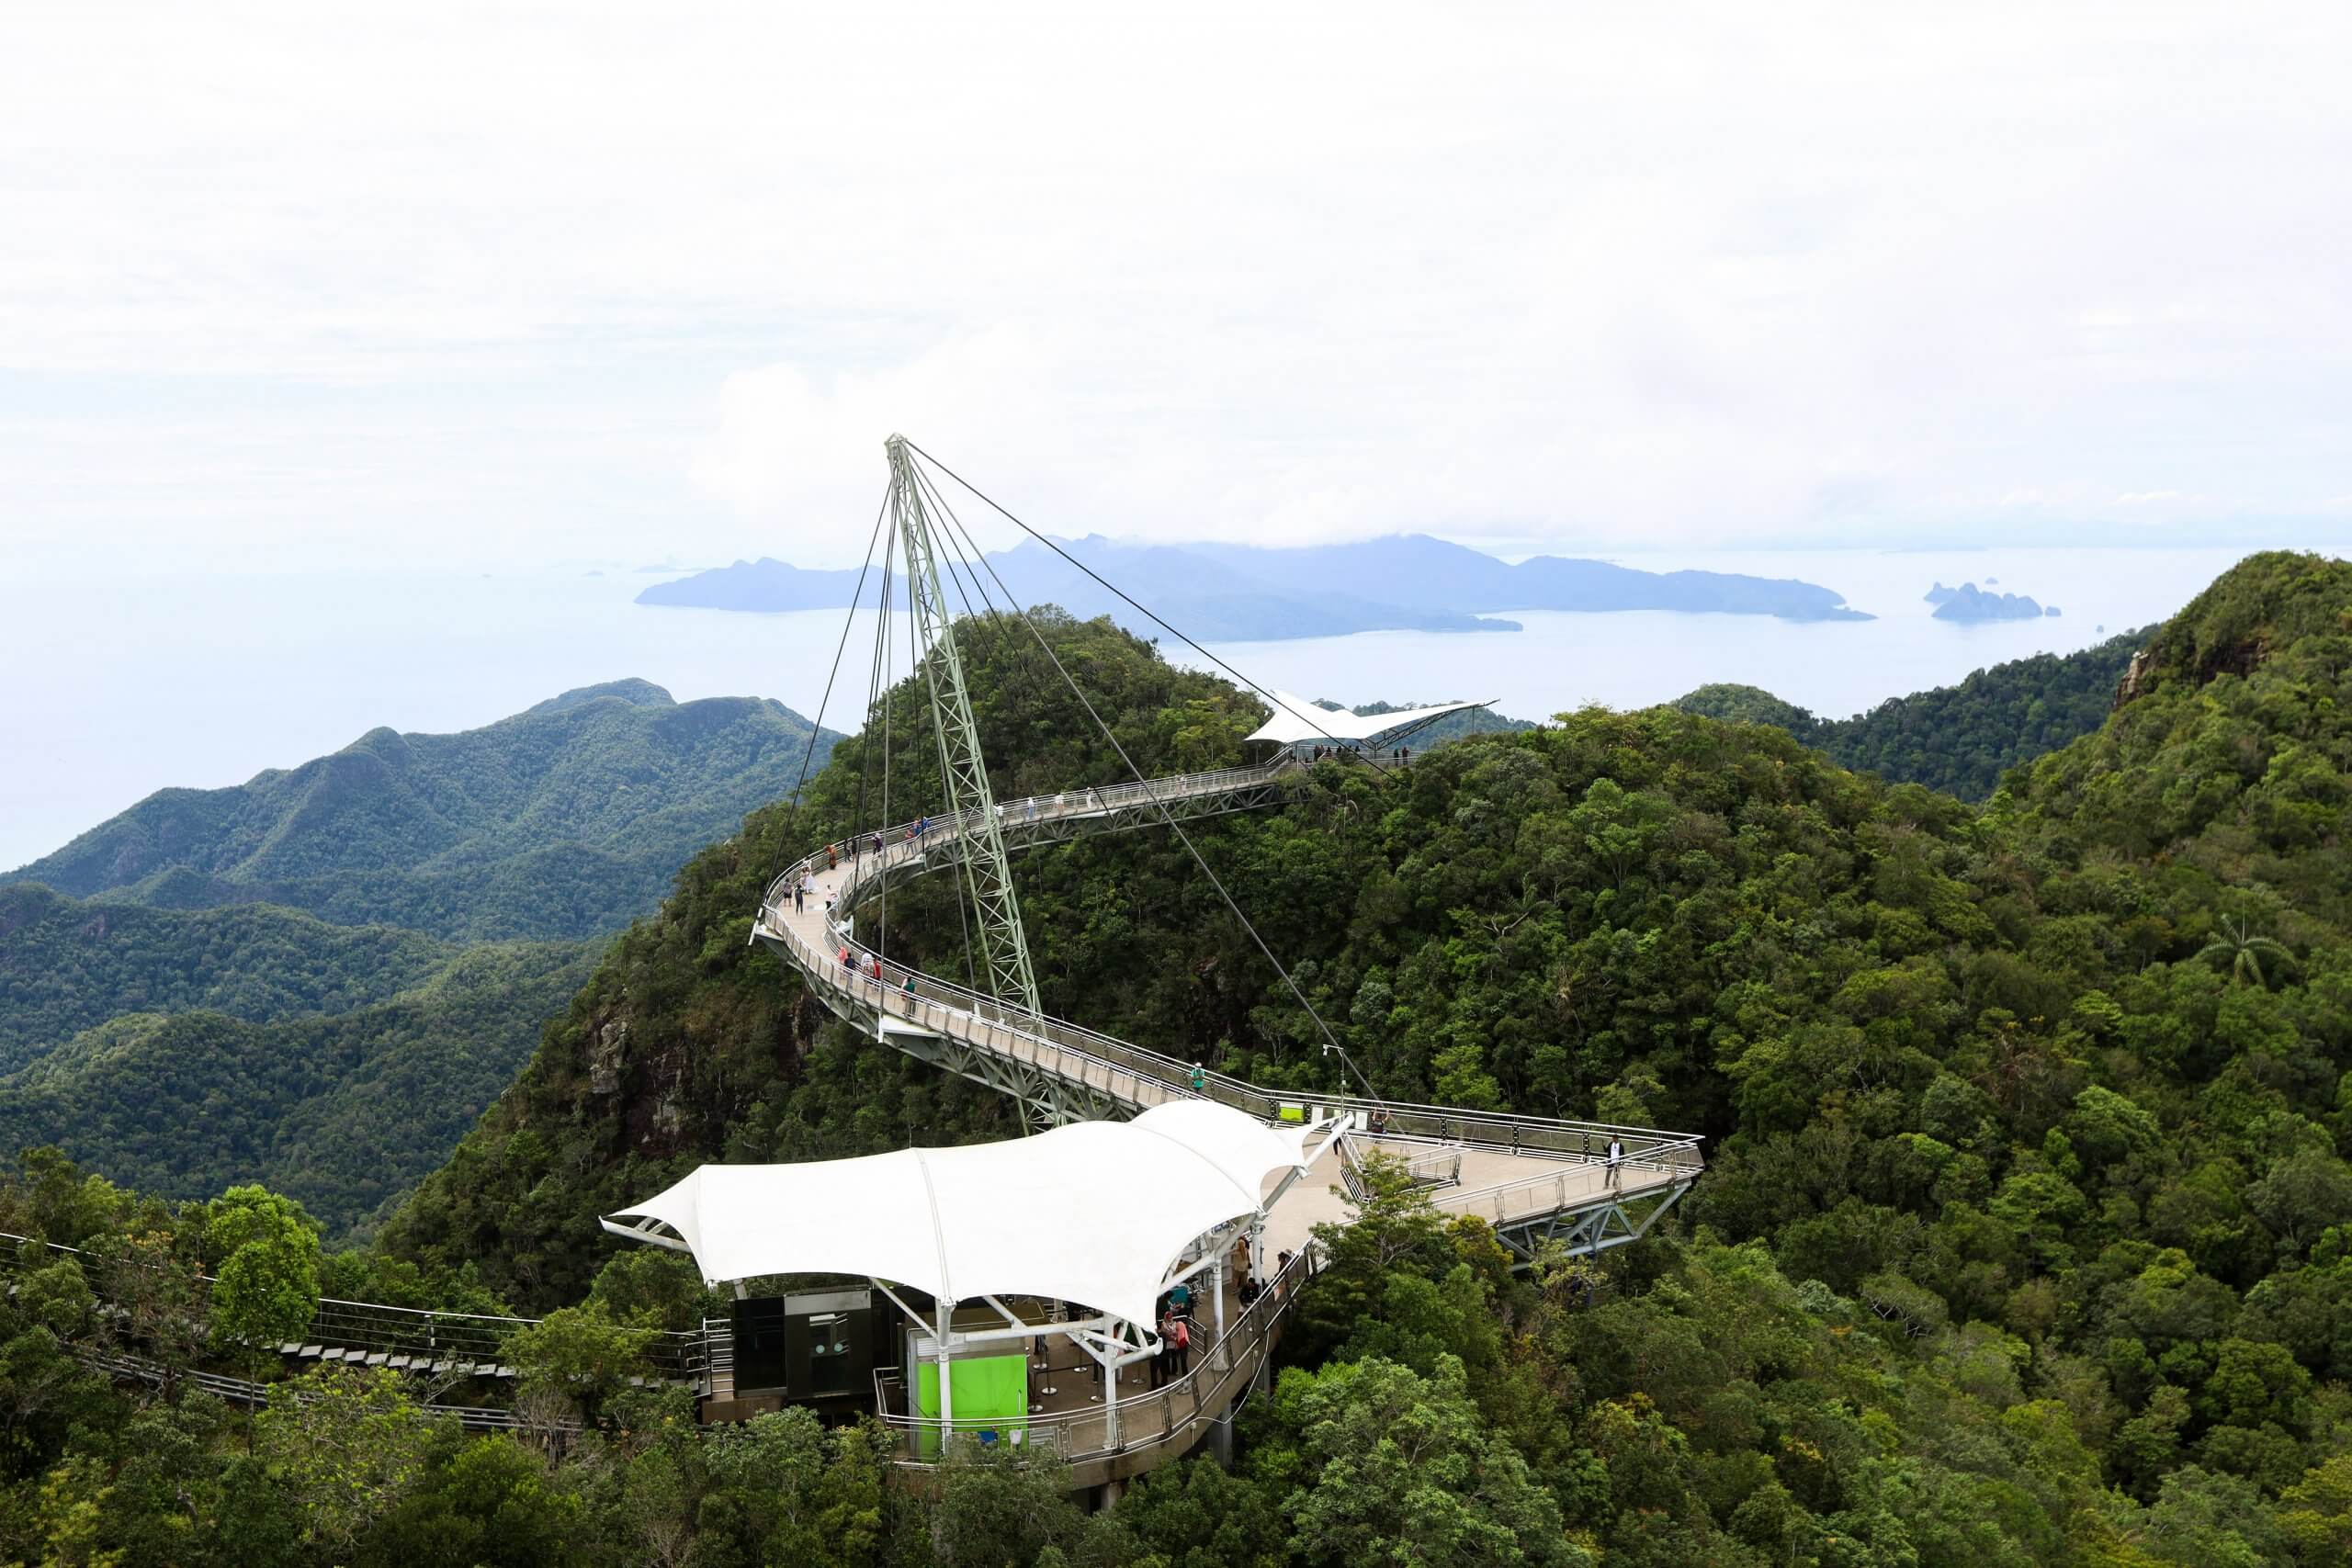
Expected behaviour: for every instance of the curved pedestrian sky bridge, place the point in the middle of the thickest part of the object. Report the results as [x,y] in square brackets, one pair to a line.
[1032,1280]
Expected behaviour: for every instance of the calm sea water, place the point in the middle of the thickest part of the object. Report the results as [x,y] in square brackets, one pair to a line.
[120,688]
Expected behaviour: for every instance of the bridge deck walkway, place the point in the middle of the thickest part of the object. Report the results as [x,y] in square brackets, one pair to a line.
[1504,1185]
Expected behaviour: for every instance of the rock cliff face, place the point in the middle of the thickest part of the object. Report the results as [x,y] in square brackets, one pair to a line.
[2134,683]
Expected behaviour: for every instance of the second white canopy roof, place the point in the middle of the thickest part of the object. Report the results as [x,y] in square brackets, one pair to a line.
[1296,719]
[1093,1213]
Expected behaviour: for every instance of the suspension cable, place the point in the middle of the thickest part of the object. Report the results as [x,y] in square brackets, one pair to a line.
[1151,793]
[839,648]
[867,760]
[959,529]
[1266,693]
[881,654]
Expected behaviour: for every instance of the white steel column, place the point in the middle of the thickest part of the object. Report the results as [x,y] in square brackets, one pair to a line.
[946,1395]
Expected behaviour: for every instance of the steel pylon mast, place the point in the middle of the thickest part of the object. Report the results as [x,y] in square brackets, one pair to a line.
[972,818]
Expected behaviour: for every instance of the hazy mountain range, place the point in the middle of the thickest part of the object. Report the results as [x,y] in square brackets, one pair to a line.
[1234,592]
[292,979]
[563,821]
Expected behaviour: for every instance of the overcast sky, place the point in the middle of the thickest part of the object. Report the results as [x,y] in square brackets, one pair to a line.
[311,286]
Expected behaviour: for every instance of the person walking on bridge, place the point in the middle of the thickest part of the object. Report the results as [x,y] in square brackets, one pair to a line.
[1616,1160]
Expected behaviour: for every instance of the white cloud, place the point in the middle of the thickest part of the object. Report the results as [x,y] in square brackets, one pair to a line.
[295,282]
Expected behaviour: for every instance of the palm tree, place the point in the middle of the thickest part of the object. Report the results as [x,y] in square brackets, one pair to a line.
[2245,955]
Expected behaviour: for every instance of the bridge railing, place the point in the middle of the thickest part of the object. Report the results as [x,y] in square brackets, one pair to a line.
[1060,1040]
[1174,1416]
[1546,1192]
[423,1337]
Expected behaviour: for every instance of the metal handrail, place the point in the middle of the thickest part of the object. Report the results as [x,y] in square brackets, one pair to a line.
[250,1391]
[457,1338]
[1662,1172]
[1241,1345]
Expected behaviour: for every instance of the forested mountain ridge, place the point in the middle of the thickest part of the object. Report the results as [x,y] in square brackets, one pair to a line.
[1961,739]
[2026,1119]
[341,1110]
[563,821]
[68,965]
[339,1057]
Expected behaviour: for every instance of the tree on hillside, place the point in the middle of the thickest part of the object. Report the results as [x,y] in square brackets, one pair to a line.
[2249,960]
[266,1288]
[265,1254]
[347,1445]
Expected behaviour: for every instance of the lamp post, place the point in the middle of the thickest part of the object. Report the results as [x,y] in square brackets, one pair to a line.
[1331,1047]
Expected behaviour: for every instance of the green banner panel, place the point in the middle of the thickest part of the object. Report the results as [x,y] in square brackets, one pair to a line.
[990,1388]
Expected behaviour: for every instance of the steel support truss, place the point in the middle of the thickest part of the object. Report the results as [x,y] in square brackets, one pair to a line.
[1046,1098]
[1592,1226]
[988,873]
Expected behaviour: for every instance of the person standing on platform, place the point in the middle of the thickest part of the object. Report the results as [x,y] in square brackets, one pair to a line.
[1200,1077]
[1616,1160]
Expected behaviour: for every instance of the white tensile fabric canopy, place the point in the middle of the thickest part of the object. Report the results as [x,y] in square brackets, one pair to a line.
[1296,719]
[1093,1213]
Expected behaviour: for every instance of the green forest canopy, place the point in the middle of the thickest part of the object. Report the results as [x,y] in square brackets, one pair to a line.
[344,1110]
[2027,1237]
[340,1057]
[2006,1147]
[1959,739]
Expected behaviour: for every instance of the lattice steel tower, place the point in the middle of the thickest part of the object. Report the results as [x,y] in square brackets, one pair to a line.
[972,818]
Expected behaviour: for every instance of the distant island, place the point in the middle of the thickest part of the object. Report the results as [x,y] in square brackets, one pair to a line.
[1970,602]
[1239,593]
